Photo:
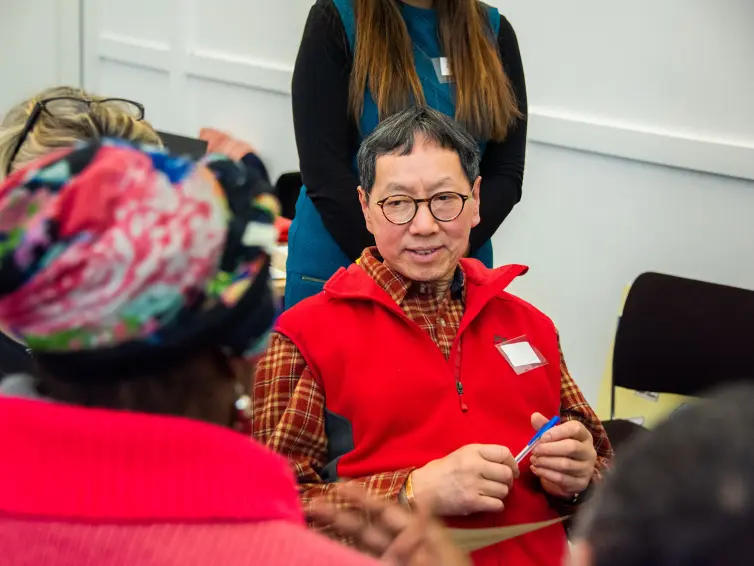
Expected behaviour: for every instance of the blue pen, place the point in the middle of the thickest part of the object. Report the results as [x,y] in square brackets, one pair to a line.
[537,437]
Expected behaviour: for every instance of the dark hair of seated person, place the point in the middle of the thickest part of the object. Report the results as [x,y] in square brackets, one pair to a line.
[201,385]
[683,494]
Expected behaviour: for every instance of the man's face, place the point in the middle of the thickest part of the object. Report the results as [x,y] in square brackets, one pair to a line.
[424,249]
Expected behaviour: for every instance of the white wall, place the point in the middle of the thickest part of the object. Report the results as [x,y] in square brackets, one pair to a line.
[225,63]
[39,47]
[643,82]
[617,91]
[669,82]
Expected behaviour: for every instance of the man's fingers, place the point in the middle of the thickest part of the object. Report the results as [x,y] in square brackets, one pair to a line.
[557,478]
[493,489]
[538,420]
[497,473]
[568,448]
[487,504]
[567,466]
[500,455]
[571,429]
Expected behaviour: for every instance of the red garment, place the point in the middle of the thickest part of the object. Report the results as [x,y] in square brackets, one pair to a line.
[407,409]
[282,225]
[90,487]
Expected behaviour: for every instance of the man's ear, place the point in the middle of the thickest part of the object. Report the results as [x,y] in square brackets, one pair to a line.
[364,201]
[475,189]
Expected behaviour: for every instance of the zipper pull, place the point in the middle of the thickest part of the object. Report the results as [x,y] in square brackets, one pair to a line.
[459,389]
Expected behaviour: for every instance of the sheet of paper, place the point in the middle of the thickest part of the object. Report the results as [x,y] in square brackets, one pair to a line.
[520,354]
[474,539]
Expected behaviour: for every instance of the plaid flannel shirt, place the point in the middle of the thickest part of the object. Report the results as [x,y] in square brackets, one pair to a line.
[289,405]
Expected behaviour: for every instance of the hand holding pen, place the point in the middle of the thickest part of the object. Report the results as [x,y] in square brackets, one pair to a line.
[563,457]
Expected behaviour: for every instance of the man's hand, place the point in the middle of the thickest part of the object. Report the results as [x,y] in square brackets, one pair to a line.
[564,459]
[473,479]
[390,532]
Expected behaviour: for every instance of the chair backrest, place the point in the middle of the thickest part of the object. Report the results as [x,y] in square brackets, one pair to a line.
[683,336]
[287,189]
[193,147]
[676,337]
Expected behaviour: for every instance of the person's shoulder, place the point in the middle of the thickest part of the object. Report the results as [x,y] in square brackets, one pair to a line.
[499,278]
[505,28]
[528,307]
[326,9]
[325,26]
[506,33]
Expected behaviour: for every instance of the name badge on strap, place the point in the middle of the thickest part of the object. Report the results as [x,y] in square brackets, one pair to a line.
[442,69]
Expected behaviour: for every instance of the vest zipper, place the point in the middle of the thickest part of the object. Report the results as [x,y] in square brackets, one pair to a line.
[459,389]
[459,385]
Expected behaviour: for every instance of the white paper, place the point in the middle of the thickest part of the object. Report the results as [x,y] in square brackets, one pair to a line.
[262,235]
[444,67]
[648,395]
[520,354]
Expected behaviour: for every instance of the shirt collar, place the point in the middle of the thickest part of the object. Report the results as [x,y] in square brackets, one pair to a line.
[398,286]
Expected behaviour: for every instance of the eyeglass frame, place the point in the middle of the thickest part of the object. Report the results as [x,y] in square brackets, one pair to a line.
[418,201]
[41,105]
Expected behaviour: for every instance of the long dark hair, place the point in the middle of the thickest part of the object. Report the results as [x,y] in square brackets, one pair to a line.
[485,101]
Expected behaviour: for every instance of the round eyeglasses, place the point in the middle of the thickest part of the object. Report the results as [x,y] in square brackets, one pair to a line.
[444,207]
[66,105]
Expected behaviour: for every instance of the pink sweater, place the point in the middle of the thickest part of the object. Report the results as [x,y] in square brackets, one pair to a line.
[91,487]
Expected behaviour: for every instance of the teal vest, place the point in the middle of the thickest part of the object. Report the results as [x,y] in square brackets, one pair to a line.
[313,255]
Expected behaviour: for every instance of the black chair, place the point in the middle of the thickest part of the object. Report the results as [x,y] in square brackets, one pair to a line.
[287,190]
[193,147]
[678,337]
[14,357]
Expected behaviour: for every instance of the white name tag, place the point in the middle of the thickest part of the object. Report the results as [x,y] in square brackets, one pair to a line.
[444,67]
[520,354]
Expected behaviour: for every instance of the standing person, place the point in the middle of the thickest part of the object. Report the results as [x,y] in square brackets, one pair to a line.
[141,281]
[397,377]
[362,60]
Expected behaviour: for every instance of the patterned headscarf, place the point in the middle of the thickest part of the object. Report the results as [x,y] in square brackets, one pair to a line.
[109,251]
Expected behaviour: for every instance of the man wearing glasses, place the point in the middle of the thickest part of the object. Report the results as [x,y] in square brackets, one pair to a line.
[416,375]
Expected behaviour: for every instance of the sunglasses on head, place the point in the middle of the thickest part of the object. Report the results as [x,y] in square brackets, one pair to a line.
[60,105]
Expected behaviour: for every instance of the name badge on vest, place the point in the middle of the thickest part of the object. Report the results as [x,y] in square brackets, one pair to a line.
[442,69]
[520,355]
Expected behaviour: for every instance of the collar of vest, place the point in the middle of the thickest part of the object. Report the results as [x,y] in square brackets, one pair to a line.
[66,462]
[482,285]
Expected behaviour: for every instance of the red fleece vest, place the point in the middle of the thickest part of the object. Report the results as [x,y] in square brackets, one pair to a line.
[386,376]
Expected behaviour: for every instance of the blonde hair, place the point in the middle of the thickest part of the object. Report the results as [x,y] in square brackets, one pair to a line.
[67,126]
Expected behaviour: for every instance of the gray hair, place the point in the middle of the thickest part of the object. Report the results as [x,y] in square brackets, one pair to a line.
[396,136]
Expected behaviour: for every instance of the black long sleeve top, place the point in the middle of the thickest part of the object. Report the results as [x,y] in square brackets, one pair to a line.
[328,139]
